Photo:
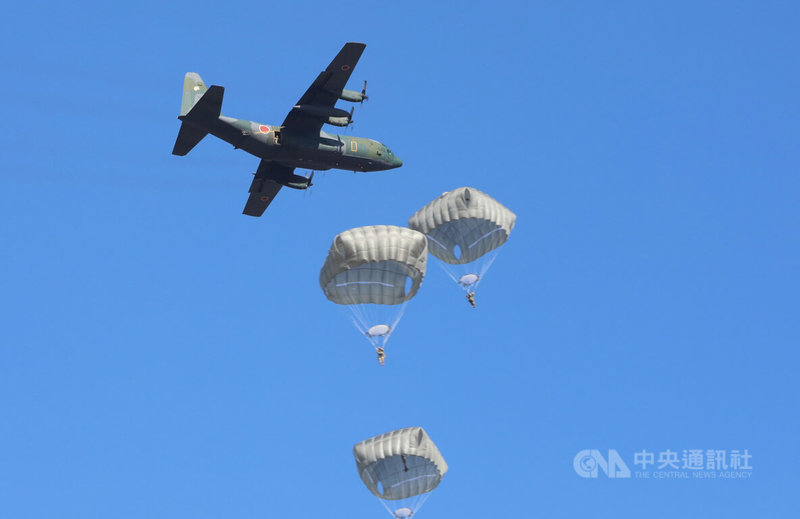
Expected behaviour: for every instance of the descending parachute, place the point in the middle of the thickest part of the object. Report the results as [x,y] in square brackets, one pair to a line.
[465,228]
[400,468]
[374,271]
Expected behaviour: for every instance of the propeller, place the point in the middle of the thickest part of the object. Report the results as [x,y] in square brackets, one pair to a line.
[364,96]
[308,190]
[350,118]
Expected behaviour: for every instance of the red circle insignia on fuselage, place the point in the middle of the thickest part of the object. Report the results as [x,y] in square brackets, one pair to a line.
[264,128]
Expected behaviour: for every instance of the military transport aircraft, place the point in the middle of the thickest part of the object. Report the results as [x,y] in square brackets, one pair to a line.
[297,143]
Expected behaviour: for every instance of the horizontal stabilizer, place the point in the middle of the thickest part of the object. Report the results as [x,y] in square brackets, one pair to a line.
[188,137]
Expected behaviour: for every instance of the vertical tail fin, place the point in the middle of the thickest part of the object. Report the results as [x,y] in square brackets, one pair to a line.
[193,90]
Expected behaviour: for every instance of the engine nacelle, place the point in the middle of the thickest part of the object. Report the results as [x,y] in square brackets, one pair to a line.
[339,121]
[352,96]
[298,182]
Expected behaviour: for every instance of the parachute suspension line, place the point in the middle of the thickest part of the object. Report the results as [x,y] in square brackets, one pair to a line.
[388,509]
[366,316]
[414,504]
[400,314]
[424,497]
[446,269]
[359,316]
[490,257]
[356,315]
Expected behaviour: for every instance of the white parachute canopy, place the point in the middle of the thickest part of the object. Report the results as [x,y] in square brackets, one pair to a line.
[465,227]
[374,271]
[400,468]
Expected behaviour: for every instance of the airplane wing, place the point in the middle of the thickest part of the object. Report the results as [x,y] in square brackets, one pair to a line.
[325,90]
[264,187]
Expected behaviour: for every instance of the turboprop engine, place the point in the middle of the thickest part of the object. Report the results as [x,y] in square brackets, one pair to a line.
[353,96]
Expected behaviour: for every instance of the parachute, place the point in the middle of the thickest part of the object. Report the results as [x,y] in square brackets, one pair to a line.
[465,229]
[374,271]
[400,468]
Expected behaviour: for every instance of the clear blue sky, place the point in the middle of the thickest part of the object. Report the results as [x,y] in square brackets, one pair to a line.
[164,356]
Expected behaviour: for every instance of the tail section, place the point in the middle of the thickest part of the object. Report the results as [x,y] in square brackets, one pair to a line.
[199,107]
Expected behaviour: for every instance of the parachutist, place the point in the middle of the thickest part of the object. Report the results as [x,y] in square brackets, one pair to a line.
[373,271]
[471,298]
[381,356]
[380,461]
[453,221]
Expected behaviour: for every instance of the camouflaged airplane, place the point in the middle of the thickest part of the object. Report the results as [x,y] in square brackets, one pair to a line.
[297,143]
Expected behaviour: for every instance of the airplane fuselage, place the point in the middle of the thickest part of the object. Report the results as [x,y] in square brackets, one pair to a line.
[302,150]
[298,142]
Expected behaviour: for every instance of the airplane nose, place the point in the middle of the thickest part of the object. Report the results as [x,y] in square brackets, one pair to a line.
[397,162]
